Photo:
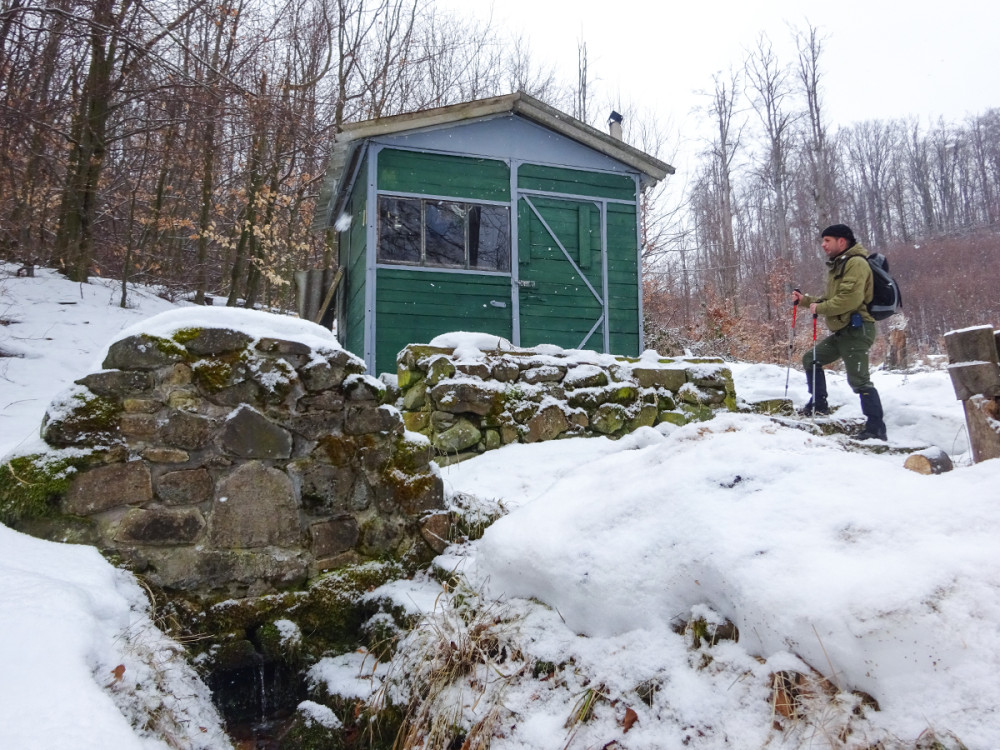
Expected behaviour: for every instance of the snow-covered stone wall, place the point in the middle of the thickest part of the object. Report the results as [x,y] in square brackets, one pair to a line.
[228,453]
[470,393]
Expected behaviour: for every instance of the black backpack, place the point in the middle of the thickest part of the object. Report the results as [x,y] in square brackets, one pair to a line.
[887,299]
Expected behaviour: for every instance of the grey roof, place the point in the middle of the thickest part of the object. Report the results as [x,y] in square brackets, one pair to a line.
[348,144]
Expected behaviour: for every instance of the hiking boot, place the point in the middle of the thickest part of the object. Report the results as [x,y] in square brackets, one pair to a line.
[871,433]
[871,407]
[815,409]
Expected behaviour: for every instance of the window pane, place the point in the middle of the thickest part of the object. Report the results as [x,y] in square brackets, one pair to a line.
[489,238]
[445,233]
[398,230]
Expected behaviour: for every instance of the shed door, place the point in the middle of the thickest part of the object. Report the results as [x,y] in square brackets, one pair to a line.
[560,273]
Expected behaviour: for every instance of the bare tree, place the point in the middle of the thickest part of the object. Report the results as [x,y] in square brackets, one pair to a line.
[770,88]
[810,48]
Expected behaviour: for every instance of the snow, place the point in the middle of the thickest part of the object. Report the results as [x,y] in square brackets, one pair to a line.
[825,555]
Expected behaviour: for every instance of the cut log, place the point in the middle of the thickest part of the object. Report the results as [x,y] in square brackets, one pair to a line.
[982,417]
[931,460]
[978,344]
[972,378]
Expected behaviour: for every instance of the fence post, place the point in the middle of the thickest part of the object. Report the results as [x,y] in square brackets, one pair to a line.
[975,374]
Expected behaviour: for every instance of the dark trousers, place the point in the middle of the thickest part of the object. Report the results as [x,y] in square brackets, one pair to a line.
[848,344]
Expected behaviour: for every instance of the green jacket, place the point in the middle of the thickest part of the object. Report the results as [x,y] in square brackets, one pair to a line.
[849,289]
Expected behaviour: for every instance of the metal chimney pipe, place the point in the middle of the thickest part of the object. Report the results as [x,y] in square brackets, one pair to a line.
[615,125]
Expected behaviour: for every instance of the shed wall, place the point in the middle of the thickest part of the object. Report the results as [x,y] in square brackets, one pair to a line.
[354,253]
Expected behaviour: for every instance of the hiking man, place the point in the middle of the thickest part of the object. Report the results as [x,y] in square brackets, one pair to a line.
[844,306]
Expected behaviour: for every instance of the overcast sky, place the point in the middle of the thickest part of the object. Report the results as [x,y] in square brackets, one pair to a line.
[881,59]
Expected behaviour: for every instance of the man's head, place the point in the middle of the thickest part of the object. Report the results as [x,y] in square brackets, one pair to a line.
[836,239]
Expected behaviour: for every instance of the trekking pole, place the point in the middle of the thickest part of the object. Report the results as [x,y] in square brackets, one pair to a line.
[815,316]
[791,345]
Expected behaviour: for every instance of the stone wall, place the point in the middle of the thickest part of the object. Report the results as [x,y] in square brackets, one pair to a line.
[468,400]
[221,461]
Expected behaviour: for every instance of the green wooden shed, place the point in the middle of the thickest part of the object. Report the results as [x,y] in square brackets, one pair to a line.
[503,216]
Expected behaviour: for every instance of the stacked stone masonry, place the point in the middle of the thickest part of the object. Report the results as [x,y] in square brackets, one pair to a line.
[467,404]
[219,463]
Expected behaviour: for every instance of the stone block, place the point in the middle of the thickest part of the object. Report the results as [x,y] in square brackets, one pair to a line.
[82,419]
[465,397]
[334,536]
[160,527]
[608,419]
[184,399]
[117,384]
[543,374]
[283,347]
[492,439]
[417,421]
[186,431]
[108,487]
[463,434]
[548,424]
[436,531]
[142,352]
[645,418]
[315,425]
[442,420]
[324,488]
[438,369]
[232,572]
[415,398]
[474,369]
[585,376]
[363,388]
[506,372]
[178,375]
[141,405]
[165,455]
[367,418]
[322,401]
[255,507]
[244,392]
[211,341]
[416,494]
[249,434]
[138,426]
[189,487]
[659,377]
[321,376]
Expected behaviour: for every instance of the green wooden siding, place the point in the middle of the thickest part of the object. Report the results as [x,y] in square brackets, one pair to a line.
[575,182]
[415,306]
[623,279]
[354,243]
[441,174]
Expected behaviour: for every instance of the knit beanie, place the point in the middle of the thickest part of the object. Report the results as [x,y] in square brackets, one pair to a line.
[840,230]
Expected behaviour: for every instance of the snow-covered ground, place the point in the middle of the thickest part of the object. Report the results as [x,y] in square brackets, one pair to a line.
[825,557]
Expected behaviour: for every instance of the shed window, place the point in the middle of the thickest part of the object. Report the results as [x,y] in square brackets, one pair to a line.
[448,234]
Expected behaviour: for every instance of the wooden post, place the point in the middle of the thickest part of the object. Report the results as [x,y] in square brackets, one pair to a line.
[975,374]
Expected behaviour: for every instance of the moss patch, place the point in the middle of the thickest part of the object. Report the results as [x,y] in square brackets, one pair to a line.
[212,375]
[31,486]
[184,335]
[82,418]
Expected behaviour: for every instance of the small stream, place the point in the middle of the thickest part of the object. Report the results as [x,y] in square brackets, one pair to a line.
[258,702]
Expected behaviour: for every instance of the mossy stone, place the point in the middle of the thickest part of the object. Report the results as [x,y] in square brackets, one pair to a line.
[31,486]
[673,417]
[608,418]
[83,419]
[143,352]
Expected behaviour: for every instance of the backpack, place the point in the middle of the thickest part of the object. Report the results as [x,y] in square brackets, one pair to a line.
[886,299]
